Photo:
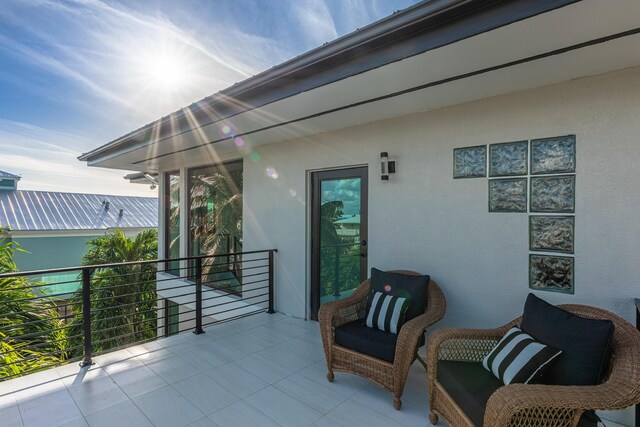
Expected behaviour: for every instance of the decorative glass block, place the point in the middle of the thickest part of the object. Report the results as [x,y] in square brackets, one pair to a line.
[470,162]
[508,159]
[551,273]
[553,194]
[508,195]
[551,233]
[553,155]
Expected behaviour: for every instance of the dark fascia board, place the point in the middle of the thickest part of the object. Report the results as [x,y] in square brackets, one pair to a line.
[412,31]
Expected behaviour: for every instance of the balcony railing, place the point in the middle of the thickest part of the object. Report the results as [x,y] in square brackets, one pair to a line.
[101,308]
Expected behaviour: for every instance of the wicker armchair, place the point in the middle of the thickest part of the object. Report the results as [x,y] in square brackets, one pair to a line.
[390,376]
[536,404]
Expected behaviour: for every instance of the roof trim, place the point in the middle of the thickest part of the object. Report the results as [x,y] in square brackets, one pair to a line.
[414,30]
[7,175]
[628,33]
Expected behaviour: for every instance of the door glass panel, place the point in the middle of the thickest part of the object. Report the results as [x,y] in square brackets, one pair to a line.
[340,209]
[215,224]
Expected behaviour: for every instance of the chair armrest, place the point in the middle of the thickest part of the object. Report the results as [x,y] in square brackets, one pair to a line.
[410,332]
[408,339]
[553,402]
[336,313]
[463,345]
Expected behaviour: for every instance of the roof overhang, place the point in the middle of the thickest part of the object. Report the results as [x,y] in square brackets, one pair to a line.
[432,55]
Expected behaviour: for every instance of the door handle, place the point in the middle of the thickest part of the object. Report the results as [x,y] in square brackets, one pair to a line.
[363,243]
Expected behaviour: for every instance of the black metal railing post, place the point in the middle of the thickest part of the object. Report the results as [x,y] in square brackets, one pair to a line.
[271,310]
[198,329]
[167,318]
[86,317]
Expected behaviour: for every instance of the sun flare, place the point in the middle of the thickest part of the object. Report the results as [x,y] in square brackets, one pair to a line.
[164,71]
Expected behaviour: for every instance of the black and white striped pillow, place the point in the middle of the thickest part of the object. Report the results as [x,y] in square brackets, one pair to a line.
[387,312]
[518,358]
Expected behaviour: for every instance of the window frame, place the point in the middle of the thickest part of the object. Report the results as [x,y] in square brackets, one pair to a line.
[166,217]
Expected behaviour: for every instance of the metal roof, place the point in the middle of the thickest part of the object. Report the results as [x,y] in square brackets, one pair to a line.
[25,210]
[4,174]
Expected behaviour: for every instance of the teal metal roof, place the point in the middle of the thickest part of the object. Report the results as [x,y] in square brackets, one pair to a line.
[24,210]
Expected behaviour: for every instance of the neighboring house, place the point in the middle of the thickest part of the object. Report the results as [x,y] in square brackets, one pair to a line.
[348,226]
[419,84]
[54,228]
[8,181]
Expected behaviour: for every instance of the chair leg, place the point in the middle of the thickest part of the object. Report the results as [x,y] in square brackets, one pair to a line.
[330,376]
[397,403]
[433,418]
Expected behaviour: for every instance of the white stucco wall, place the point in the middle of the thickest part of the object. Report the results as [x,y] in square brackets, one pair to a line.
[424,220]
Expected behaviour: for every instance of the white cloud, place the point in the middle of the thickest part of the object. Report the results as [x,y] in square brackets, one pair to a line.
[44,160]
[314,20]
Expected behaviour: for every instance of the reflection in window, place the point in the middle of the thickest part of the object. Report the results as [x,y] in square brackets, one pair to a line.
[172,221]
[215,223]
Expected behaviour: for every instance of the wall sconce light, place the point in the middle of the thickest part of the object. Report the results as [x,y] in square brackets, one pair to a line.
[386,166]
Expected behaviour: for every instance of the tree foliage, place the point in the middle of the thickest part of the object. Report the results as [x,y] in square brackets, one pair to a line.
[340,257]
[123,298]
[31,334]
[216,216]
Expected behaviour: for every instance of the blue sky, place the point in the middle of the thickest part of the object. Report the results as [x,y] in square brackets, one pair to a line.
[75,74]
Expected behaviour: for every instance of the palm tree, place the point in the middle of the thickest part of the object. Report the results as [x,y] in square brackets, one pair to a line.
[31,334]
[123,298]
[216,218]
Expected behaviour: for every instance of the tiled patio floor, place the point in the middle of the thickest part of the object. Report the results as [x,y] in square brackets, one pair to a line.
[263,370]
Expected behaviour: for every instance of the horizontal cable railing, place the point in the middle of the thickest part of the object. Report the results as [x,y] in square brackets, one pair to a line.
[46,323]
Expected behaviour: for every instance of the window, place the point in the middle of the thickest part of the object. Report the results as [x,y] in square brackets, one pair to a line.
[215,222]
[172,221]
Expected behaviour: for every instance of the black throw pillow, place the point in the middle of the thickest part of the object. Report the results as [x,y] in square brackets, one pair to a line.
[401,285]
[585,343]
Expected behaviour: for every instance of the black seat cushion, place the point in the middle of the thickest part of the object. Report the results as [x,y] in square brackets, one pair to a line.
[357,336]
[585,343]
[471,386]
[373,342]
[412,287]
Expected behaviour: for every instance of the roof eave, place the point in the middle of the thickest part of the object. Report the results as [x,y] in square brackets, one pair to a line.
[394,28]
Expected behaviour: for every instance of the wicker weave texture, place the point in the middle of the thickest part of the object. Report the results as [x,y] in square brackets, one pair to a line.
[520,405]
[390,376]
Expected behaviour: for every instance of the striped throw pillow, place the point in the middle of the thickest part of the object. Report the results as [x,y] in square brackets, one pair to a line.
[387,312]
[518,358]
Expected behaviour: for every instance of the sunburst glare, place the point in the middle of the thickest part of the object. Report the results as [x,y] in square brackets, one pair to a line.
[165,71]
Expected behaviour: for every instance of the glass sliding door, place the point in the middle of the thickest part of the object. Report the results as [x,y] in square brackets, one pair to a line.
[339,234]
[215,223]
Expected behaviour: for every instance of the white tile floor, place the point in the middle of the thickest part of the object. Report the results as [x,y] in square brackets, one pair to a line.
[263,370]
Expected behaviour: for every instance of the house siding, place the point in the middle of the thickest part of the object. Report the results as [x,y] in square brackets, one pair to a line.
[425,220]
[50,252]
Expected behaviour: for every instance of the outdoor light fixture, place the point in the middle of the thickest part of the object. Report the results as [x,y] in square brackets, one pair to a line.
[386,166]
[154,181]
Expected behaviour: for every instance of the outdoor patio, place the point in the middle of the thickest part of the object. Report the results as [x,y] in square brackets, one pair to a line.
[262,370]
